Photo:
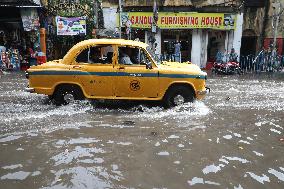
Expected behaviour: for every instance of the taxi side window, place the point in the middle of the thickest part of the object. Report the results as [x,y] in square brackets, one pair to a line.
[83,56]
[96,55]
[132,56]
[143,58]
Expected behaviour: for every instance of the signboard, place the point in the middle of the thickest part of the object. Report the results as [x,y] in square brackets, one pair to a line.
[182,20]
[30,19]
[71,26]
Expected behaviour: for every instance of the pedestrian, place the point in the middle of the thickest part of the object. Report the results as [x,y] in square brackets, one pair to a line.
[233,57]
[261,59]
[177,52]
[269,58]
[2,46]
[219,57]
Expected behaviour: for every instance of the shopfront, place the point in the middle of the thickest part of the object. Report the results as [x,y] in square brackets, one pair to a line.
[19,36]
[200,35]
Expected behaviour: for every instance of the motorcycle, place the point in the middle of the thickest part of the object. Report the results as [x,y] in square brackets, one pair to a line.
[226,68]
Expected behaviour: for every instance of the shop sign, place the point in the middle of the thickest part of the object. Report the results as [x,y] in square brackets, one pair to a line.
[183,20]
[71,26]
[30,19]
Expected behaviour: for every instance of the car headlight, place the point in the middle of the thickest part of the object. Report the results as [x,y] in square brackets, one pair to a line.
[27,75]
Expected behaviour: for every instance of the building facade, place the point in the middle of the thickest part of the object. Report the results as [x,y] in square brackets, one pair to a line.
[201,27]
[19,31]
[263,22]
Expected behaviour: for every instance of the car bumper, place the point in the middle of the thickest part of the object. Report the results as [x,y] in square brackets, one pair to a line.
[201,94]
[30,90]
[204,92]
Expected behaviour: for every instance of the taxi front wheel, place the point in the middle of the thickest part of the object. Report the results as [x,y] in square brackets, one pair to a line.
[66,95]
[178,95]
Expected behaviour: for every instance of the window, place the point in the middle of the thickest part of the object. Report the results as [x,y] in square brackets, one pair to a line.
[101,54]
[132,56]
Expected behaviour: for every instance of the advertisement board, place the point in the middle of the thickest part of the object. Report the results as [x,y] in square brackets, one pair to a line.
[30,19]
[182,20]
[71,26]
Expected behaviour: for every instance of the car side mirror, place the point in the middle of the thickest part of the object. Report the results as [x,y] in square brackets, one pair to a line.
[149,65]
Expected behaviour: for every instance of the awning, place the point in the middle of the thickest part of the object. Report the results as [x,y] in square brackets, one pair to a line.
[20,3]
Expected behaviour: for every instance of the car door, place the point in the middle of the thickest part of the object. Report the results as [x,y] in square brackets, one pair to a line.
[96,72]
[135,80]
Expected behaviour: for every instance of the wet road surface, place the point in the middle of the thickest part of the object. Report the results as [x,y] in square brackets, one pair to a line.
[232,139]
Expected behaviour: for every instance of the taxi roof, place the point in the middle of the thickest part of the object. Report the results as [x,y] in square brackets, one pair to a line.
[112,42]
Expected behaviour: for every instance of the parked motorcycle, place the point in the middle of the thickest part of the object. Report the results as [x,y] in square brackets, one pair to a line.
[226,68]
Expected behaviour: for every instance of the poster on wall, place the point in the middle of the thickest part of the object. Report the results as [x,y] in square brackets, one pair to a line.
[30,19]
[71,26]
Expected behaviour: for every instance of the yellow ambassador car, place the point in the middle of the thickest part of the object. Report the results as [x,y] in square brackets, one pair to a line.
[116,69]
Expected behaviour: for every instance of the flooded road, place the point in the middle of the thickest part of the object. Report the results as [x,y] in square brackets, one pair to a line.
[232,139]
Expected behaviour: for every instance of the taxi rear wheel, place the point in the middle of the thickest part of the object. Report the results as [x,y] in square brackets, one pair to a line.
[67,94]
[178,95]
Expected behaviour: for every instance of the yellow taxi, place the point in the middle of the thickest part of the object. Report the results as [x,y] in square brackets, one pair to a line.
[116,69]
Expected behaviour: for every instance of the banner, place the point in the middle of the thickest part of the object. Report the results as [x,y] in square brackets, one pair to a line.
[30,19]
[183,20]
[71,26]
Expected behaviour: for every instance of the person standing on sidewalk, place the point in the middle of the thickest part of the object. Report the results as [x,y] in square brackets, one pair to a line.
[177,52]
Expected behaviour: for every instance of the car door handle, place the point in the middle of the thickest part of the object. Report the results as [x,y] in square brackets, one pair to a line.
[77,67]
[135,75]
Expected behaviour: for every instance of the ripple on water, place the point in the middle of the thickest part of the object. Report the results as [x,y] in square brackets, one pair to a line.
[9,138]
[197,180]
[20,175]
[165,153]
[277,174]
[79,152]
[212,168]
[261,179]
[182,112]
[79,140]
[83,178]
[12,166]
[68,110]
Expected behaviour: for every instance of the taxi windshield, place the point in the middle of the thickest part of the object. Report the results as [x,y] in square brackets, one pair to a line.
[153,55]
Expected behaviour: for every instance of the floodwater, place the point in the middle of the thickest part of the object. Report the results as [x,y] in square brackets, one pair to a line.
[232,139]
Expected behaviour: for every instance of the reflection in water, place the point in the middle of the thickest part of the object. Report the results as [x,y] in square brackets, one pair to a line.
[263,178]
[68,156]
[20,175]
[229,140]
[277,174]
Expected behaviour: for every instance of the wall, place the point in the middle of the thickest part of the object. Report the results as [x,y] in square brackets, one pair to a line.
[253,20]
[269,31]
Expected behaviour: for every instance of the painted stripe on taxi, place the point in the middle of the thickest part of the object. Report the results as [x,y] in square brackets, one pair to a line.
[117,74]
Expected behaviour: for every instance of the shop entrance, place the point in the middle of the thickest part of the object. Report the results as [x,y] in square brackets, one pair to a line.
[216,42]
[248,45]
[249,40]
[170,38]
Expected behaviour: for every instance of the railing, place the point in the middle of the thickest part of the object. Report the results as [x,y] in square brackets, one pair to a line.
[262,63]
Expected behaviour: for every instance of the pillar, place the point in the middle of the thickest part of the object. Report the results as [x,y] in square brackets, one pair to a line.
[229,41]
[204,44]
[42,40]
[158,38]
[238,33]
[196,47]
[199,47]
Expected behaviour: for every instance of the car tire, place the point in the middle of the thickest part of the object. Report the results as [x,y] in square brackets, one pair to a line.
[178,95]
[66,95]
